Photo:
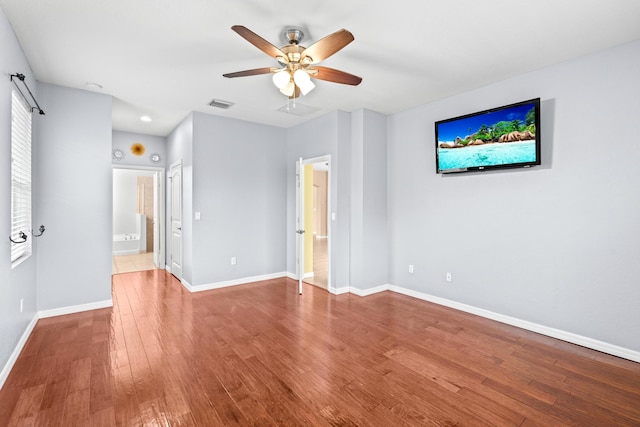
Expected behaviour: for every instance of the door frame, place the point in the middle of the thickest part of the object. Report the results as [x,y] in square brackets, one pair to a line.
[170,213]
[160,202]
[300,163]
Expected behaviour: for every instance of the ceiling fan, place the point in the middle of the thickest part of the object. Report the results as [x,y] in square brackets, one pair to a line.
[297,63]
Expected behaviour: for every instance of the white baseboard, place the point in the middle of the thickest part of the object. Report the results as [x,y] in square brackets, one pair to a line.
[291,275]
[4,374]
[524,324]
[370,291]
[339,291]
[168,268]
[186,285]
[235,282]
[75,309]
[309,274]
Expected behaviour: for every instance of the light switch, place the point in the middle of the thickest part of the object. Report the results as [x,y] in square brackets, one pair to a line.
[197,216]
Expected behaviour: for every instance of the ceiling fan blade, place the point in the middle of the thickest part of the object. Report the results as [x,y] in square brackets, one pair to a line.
[335,76]
[324,48]
[254,72]
[259,42]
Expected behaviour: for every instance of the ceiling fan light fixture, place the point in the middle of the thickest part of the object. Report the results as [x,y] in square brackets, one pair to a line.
[281,79]
[289,89]
[303,81]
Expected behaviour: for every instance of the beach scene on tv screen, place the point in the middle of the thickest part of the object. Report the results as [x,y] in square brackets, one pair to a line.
[502,137]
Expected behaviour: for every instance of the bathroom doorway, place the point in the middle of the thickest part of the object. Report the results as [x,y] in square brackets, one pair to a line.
[138,218]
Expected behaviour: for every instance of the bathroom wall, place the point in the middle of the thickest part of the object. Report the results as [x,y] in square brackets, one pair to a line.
[125,199]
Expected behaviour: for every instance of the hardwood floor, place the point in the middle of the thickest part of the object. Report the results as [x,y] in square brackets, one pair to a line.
[260,354]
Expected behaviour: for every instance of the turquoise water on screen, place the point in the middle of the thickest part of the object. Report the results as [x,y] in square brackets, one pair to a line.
[486,155]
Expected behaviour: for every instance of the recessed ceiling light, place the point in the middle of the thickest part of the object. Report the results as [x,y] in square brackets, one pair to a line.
[146,119]
[94,85]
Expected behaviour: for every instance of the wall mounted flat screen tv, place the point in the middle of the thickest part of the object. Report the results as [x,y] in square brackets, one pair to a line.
[503,137]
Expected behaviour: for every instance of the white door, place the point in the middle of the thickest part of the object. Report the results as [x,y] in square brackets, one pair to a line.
[176,219]
[300,222]
[156,219]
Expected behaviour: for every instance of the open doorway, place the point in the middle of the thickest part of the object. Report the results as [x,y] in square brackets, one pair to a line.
[315,211]
[138,239]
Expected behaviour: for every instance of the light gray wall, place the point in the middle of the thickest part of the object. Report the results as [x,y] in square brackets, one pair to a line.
[326,135]
[556,245]
[125,199]
[152,144]
[368,221]
[19,282]
[74,180]
[180,148]
[239,187]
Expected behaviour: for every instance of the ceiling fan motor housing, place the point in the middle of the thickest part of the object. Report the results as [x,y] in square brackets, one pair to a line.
[293,35]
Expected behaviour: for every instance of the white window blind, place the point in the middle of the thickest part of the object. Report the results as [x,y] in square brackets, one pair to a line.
[20,177]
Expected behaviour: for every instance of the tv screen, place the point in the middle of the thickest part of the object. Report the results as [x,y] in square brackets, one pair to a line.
[503,137]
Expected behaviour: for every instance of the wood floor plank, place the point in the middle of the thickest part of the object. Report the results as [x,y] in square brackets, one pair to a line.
[260,354]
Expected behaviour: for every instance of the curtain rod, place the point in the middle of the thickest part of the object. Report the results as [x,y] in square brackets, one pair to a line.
[21,77]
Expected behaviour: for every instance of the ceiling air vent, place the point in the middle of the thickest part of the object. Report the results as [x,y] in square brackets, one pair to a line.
[219,103]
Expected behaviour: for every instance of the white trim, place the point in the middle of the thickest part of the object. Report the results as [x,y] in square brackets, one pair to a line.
[235,282]
[186,285]
[370,291]
[291,275]
[513,321]
[43,314]
[168,268]
[308,274]
[339,291]
[4,374]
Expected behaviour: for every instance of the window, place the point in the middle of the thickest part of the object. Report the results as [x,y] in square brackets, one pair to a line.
[20,177]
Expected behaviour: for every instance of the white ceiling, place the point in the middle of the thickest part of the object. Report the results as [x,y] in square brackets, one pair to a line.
[165,58]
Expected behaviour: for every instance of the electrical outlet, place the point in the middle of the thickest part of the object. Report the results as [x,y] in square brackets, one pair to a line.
[410,268]
[21,304]
[448,277]
[233,260]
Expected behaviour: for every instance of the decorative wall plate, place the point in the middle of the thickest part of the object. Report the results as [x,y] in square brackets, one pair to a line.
[117,154]
[137,149]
